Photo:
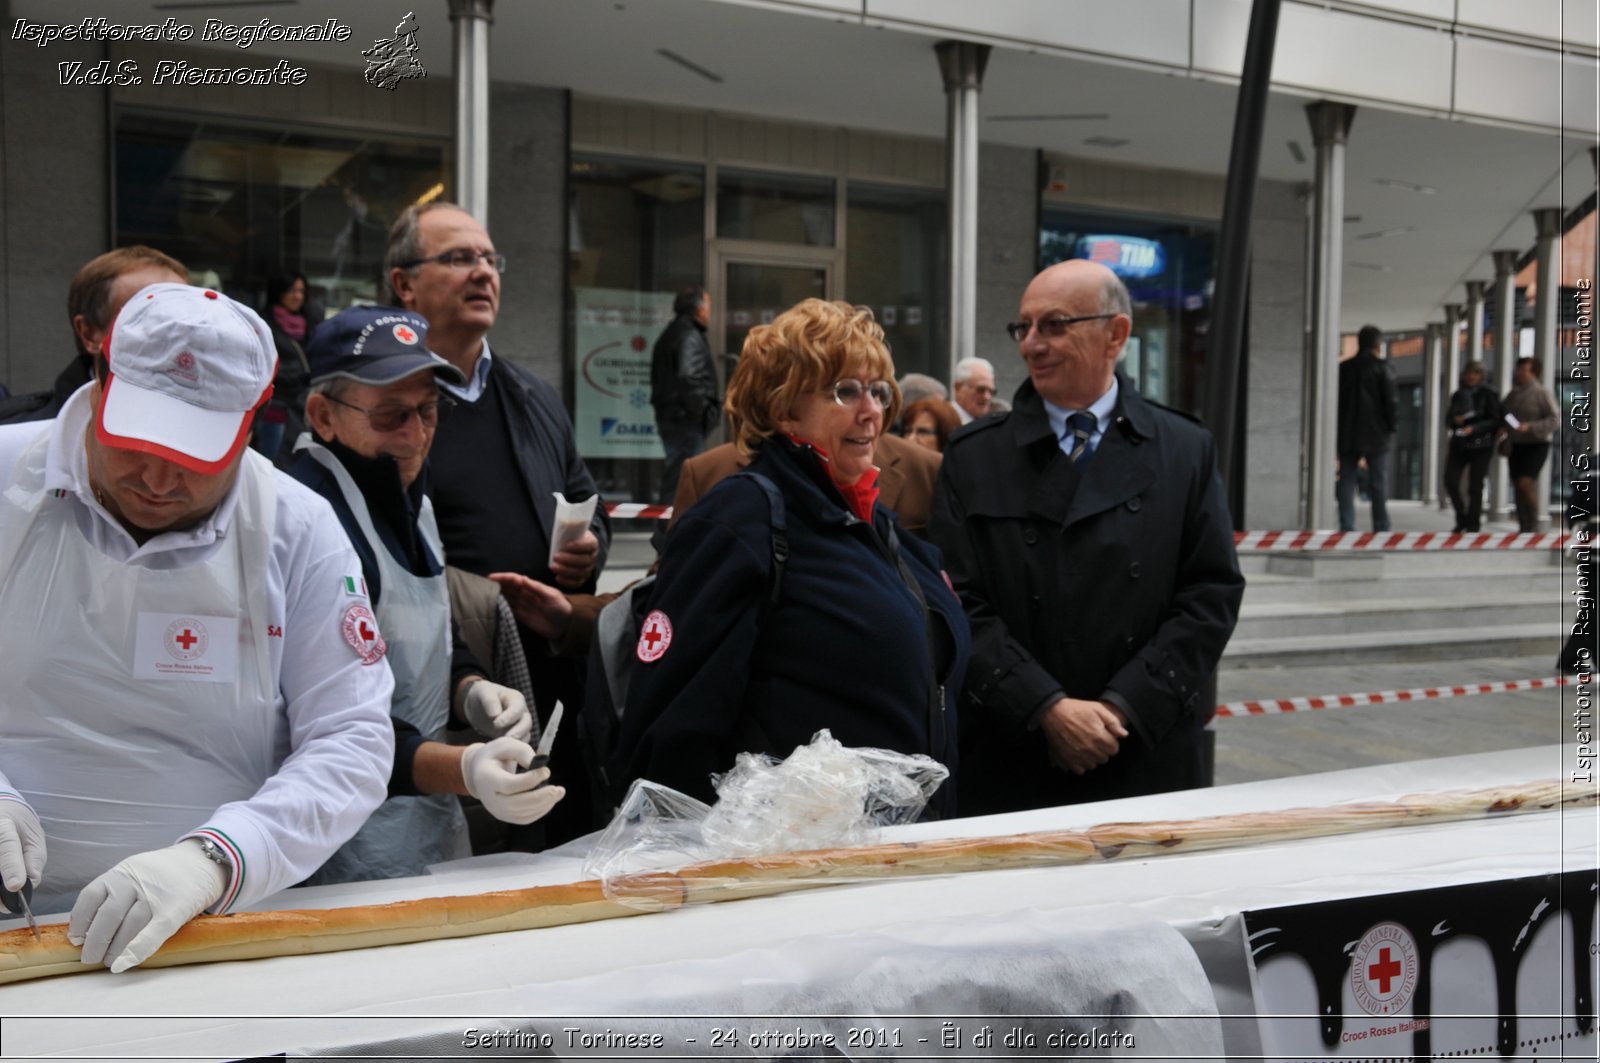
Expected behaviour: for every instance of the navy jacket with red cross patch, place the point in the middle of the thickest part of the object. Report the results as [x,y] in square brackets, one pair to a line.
[846,647]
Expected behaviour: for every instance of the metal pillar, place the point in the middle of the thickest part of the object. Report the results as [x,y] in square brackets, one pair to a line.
[1432,348]
[1505,356]
[470,21]
[961,64]
[1449,373]
[1547,222]
[1224,380]
[1330,126]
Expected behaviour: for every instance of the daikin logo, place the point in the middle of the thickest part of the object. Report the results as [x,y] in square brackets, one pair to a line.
[612,426]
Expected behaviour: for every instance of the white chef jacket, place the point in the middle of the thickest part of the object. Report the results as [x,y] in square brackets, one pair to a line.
[336,745]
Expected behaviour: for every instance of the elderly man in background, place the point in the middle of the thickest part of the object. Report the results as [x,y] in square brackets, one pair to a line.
[373,409]
[97,292]
[507,451]
[973,383]
[1089,537]
[196,709]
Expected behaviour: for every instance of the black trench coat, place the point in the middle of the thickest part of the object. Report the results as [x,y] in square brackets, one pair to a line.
[1117,581]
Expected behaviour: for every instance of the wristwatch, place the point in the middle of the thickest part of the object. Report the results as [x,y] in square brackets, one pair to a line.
[214,853]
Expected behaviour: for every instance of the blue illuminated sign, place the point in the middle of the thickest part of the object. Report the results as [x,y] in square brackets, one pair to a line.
[1126,256]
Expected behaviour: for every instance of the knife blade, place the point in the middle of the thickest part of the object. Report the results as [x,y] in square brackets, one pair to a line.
[547,739]
[18,902]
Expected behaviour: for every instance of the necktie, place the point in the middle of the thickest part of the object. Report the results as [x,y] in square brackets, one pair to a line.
[1080,427]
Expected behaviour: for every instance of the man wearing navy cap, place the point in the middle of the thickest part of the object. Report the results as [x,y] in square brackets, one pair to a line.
[196,698]
[373,409]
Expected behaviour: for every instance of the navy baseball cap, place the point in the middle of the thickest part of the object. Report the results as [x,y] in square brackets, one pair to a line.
[375,345]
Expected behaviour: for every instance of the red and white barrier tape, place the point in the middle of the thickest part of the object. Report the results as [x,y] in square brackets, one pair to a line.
[1383,697]
[1326,540]
[638,511]
[1286,540]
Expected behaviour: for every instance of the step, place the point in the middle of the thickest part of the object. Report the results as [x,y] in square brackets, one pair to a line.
[1373,564]
[1267,588]
[1393,647]
[1293,619]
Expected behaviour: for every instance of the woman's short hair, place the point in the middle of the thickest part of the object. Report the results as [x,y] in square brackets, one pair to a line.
[805,349]
[945,418]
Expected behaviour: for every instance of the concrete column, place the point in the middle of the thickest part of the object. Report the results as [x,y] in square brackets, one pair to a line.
[1505,356]
[1475,300]
[1547,222]
[1330,128]
[1449,373]
[1432,415]
[961,64]
[470,21]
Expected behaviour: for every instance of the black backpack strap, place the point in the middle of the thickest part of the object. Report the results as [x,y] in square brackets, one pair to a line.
[780,533]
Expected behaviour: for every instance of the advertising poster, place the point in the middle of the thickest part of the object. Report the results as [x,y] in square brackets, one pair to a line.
[1503,970]
[615,332]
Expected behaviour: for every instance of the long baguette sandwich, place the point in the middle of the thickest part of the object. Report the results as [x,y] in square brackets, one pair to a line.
[255,935]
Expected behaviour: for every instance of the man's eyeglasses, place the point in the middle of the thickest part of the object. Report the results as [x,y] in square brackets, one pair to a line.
[1051,328]
[393,417]
[851,392]
[462,258]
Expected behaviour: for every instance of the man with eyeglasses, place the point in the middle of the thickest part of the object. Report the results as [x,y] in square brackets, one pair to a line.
[373,409]
[973,382]
[506,451]
[1090,540]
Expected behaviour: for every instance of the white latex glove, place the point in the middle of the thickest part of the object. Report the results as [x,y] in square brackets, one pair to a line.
[126,914]
[495,711]
[491,775]
[21,845]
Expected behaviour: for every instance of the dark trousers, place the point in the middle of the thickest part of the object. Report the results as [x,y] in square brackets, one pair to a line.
[1377,487]
[1468,503]
[1523,465]
[682,439]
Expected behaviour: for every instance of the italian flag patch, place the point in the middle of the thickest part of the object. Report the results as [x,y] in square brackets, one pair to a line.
[355,585]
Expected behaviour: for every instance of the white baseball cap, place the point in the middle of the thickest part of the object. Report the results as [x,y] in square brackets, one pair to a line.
[189,369]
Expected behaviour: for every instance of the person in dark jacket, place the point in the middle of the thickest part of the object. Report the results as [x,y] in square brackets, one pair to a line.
[498,463]
[866,638]
[1088,535]
[1472,421]
[1367,419]
[97,293]
[683,385]
[282,419]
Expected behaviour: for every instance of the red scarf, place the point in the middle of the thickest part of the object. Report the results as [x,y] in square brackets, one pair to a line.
[860,496]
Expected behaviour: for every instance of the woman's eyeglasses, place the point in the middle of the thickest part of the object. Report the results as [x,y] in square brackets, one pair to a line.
[851,392]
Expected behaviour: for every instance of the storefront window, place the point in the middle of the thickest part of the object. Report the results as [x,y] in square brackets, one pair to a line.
[894,263]
[237,203]
[1167,268]
[775,208]
[637,236]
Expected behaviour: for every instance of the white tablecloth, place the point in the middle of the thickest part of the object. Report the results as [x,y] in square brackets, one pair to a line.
[861,948]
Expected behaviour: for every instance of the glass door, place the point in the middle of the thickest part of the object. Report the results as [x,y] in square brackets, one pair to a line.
[754,289]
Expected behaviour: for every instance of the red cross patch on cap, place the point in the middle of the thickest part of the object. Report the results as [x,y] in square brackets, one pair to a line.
[655,636]
[406,335]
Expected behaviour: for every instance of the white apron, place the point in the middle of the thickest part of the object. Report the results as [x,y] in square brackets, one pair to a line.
[405,834]
[134,701]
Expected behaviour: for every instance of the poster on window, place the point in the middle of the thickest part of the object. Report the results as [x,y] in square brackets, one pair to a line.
[615,332]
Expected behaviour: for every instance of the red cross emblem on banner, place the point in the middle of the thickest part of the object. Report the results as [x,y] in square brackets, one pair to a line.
[188,639]
[1384,969]
[655,636]
[405,334]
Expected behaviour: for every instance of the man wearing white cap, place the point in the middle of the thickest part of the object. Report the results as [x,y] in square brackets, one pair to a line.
[373,409]
[196,697]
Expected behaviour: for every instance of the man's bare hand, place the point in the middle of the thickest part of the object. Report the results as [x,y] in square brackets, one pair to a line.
[574,562]
[1082,735]
[539,607]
